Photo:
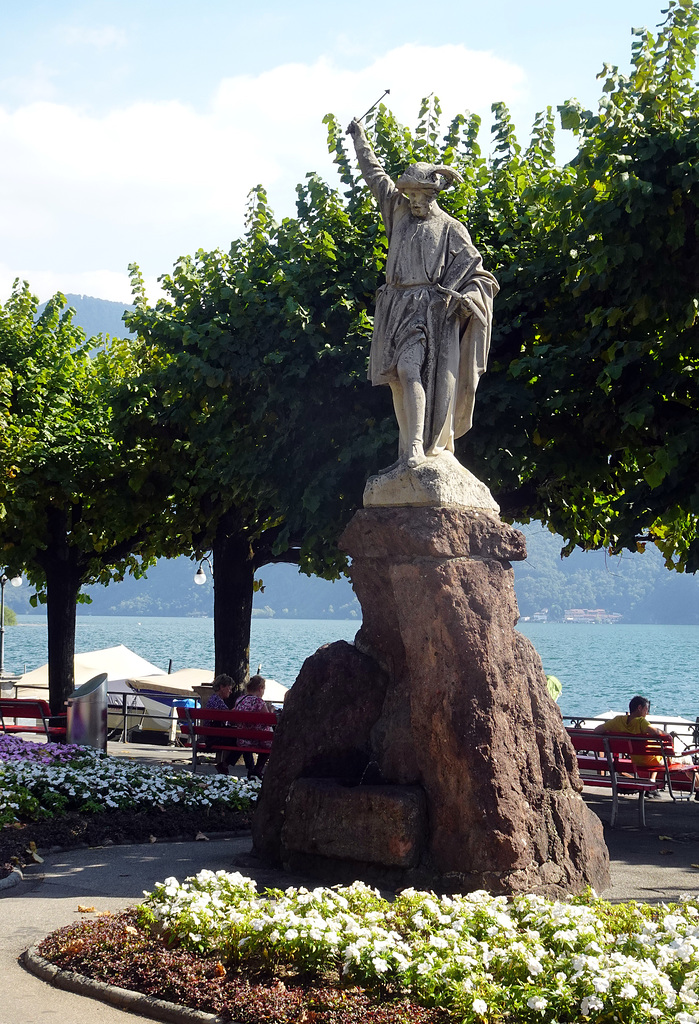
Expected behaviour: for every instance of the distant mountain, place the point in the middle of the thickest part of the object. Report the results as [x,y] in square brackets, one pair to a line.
[169,589]
[97,316]
[637,586]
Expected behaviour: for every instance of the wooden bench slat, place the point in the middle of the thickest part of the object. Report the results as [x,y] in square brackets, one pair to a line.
[28,707]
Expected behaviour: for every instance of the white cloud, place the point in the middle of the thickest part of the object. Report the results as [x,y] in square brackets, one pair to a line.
[83,195]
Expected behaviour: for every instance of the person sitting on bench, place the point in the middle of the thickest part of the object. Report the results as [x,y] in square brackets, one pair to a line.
[636,724]
[252,700]
[220,701]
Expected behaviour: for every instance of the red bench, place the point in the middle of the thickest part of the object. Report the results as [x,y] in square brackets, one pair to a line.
[604,762]
[229,729]
[12,709]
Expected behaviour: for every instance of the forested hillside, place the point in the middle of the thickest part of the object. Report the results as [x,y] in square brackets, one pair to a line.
[97,316]
[639,587]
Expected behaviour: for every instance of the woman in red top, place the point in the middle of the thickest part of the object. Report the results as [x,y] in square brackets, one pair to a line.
[252,700]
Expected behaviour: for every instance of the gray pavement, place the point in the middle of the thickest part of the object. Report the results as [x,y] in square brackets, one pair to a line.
[644,867]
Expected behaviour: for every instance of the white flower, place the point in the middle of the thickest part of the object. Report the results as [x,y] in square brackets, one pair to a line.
[380,965]
[291,933]
[533,966]
[480,1006]
[537,1003]
[590,1003]
[628,991]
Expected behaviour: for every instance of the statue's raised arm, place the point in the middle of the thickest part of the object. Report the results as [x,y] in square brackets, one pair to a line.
[373,173]
[433,316]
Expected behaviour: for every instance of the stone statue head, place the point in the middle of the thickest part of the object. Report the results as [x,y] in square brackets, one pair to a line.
[421,183]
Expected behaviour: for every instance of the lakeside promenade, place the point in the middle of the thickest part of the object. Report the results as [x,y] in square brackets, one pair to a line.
[654,865]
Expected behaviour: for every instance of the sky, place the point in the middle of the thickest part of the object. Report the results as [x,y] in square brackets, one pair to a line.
[133,131]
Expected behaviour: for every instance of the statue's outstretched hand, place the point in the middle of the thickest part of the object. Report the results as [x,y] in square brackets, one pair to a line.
[354,128]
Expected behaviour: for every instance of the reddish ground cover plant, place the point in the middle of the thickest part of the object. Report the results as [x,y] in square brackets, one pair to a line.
[116,950]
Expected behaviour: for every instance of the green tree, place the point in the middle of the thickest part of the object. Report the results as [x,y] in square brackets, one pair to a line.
[606,376]
[262,397]
[586,419]
[71,512]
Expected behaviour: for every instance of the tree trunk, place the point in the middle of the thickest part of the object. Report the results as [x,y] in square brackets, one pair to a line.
[62,587]
[234,574]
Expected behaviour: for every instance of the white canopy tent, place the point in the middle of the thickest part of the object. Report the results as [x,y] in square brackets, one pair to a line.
[275,693]
[118,662]
[181,683]
[187,683]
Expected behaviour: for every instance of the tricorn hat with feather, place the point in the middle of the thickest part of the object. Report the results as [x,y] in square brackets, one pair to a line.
[427,178]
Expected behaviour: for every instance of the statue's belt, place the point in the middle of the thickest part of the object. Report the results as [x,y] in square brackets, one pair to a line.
[407,287]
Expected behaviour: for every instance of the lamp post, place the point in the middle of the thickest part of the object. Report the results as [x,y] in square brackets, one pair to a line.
[16,581]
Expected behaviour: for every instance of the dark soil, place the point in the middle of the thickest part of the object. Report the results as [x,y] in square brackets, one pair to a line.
[116,950]
[118,827]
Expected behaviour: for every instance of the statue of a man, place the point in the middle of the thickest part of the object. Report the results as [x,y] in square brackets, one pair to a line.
[433,315]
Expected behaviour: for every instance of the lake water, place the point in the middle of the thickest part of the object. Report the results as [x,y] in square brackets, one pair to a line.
[600,666]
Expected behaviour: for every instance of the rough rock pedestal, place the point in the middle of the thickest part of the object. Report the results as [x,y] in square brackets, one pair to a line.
[452,769]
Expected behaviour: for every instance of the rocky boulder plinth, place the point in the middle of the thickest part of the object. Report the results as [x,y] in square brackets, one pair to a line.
[440,695]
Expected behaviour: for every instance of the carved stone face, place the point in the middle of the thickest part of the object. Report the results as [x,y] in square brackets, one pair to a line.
[421,202]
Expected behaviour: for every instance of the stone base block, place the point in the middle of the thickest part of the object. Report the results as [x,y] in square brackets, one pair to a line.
[440,481]
[447,704]
[380,825]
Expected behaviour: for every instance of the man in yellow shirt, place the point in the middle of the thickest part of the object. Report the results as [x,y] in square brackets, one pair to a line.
[636,724]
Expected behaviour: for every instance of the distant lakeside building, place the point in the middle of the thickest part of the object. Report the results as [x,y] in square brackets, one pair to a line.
[594,615]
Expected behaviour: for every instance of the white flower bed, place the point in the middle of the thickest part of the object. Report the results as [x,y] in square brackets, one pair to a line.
[484,958]
[39,780]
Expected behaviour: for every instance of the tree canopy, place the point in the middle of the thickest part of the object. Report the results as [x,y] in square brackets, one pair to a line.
[73,508]
[586,419]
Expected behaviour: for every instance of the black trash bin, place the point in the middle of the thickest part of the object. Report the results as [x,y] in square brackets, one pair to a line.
[87,713]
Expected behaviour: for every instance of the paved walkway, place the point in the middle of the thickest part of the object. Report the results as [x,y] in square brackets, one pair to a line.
[644,867]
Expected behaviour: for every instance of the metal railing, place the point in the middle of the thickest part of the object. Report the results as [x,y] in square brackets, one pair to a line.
[129,710]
